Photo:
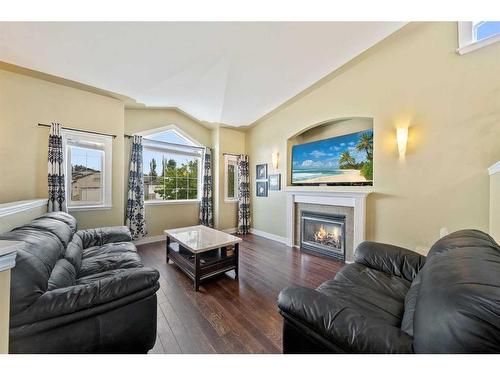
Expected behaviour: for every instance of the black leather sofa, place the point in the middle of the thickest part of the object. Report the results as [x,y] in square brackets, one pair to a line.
[80,291]
[392,300]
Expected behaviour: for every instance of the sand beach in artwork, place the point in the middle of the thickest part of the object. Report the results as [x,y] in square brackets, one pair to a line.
[345,175]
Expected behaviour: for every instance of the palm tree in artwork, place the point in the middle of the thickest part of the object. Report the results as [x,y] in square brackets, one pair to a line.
[346,160]
[365,143]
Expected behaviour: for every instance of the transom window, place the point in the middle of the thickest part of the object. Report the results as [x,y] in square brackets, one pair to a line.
[473,35]
[172,167]
[88,170]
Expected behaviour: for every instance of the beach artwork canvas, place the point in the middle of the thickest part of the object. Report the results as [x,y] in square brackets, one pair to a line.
[346,159]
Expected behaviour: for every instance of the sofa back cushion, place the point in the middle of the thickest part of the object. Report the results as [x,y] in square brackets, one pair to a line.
[74,252]
[45,241]
[62,276]
[458,301]
[410,305]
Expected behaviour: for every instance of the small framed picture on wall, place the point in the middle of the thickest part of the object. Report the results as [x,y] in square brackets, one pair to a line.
[275,181]
[261,188]
[261,172]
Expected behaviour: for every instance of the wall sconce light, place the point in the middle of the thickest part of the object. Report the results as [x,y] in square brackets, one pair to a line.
[275,159]
[402,138]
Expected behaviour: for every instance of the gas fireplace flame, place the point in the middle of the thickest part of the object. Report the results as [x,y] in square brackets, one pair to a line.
[329,238]
[321,234]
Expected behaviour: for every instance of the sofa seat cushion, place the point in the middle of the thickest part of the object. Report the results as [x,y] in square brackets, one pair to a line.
[110,248]
[111,256]
[98,276]
[352,318]
[367,302]
[381,282]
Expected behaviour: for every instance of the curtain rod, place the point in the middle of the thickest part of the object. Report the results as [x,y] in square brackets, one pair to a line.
[80,130]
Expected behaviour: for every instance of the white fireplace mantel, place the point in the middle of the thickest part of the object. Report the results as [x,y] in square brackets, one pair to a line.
[338,196]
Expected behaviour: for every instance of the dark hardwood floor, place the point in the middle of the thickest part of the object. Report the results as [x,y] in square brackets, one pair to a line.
[228,315]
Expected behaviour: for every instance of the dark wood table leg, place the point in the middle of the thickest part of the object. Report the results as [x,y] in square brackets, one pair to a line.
[167,245]
[236,258]
[196,272]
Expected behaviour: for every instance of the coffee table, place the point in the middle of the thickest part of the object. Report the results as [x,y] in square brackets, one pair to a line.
[202,252]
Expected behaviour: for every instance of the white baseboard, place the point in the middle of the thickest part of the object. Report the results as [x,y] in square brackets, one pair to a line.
[229,230]
[150,239]
[269,236]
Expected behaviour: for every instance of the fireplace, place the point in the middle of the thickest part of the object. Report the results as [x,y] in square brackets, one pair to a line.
[323,233]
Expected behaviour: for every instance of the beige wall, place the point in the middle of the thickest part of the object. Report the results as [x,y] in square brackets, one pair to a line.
[170,215]
[450,102]
[495,206]
[230,141]
[26,101]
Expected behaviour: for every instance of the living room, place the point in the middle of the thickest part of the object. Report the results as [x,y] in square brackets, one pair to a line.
[254,188]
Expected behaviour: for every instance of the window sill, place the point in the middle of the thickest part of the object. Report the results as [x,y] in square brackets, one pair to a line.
[180,201]
[479,44]
[89,208]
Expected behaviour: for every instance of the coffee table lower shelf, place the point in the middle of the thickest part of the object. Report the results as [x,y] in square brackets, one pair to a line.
[205,265]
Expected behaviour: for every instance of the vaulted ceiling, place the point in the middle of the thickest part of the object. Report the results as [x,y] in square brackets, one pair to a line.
[231,73]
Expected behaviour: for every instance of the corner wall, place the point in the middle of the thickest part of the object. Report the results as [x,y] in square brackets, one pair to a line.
[230,141]
[26,101]
[450,102]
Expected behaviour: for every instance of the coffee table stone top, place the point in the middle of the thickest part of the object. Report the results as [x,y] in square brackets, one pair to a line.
[200,238]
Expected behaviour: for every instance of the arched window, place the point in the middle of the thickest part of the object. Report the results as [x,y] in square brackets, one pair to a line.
[172,166]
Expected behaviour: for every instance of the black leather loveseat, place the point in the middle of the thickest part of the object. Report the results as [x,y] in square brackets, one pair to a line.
[79,291]
[392,300]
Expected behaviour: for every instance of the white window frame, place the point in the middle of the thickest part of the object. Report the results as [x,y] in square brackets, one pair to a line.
[230,160]
[159,146]
[467,41]
[104,143]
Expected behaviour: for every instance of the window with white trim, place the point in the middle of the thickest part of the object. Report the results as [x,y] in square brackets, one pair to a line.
[476,34]
[230,179]
[88,170]
[172,167]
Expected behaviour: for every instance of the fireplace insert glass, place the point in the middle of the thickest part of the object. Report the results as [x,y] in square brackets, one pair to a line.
[323,233]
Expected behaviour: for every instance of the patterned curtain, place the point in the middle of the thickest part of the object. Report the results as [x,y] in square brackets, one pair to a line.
[136,219]
[243,195]
[206,206]
[56,181]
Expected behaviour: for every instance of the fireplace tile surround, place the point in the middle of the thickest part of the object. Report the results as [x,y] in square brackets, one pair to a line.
[347,201]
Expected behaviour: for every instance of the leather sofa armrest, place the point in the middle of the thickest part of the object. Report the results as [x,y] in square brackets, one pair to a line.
[102,236]
[341,325]
[70,300]
[390,259]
